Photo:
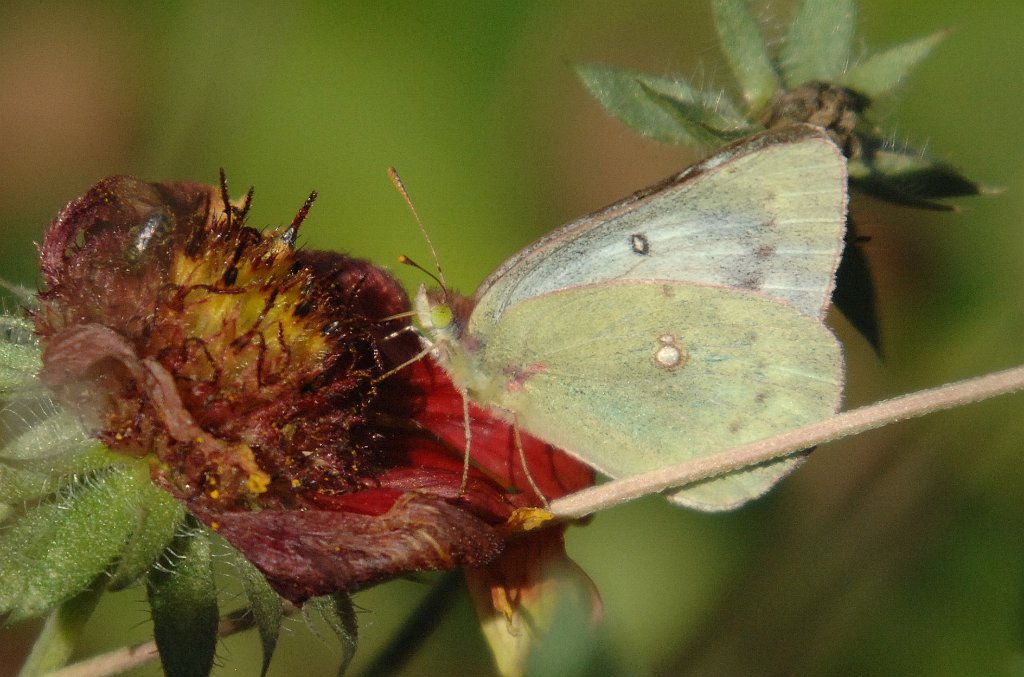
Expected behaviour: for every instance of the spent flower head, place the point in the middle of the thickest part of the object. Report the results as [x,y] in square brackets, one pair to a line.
[210,380]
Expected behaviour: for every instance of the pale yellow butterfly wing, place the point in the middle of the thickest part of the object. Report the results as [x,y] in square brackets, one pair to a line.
[733,258]
[634,376]
[766,214]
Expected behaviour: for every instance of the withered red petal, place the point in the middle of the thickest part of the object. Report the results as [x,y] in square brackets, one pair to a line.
[315,552]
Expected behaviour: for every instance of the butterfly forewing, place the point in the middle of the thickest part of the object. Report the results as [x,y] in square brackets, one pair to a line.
[765,215]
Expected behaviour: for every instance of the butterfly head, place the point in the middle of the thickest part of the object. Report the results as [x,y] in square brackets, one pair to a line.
[437,320]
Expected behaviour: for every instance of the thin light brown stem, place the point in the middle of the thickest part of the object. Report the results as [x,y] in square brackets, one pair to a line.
[841,425]
[121,660]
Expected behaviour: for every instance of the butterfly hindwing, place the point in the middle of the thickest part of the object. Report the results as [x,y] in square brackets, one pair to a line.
[633,376]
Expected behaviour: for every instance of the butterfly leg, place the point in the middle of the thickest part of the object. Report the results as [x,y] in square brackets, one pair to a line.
[526,469]
[469,443]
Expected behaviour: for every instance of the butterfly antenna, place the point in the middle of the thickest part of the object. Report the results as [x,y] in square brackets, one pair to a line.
[405,260]
[397,180]
[398,316]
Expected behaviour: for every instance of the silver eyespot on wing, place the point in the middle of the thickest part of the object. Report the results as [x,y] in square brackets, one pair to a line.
[669,354]
[639,243]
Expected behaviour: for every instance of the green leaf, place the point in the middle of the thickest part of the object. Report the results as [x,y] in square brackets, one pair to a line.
[18,485]
[55,644]
[157,521]
[265,604]
[817,46]
[337,612]
[51,445]
[708,125]
[57,548]
[17,329]
[33,462]
[183,599]
[24,295]
[746,51]
[905,176]
[20,357]
[880,73]
[626,95]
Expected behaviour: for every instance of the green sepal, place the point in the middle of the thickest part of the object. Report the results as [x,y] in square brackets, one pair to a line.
[56,549]
[61,632]
[158,519]
[817,45]
[265,604]
[183,600]
[337,612]
[626,95]
[880,73]
[746,51]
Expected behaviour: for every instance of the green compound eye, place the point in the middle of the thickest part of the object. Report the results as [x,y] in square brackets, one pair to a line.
[441,316]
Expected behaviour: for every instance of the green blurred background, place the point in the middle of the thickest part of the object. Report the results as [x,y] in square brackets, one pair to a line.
[898,552]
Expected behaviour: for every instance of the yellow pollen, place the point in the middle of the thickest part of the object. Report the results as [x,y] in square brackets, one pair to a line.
[257,483]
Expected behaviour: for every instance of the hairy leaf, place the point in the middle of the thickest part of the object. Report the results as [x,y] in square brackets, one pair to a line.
[337,612]
[265,605]
[57,548]
[707,124]
[880,73]
[55,644]
[746,51]
[158,518]
[623,94]
[817,46]
[183,599]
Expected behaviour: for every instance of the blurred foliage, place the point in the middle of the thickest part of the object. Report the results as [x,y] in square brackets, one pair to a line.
[898,552]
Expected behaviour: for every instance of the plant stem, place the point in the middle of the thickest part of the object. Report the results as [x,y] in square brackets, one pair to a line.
[841,425]
[121,660]
[61,632]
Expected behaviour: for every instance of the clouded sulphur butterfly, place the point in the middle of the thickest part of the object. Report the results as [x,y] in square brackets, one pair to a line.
[683,320]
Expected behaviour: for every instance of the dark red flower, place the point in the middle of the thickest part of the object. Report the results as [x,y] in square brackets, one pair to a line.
[260,381]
